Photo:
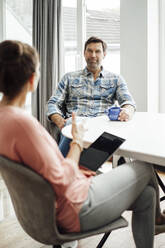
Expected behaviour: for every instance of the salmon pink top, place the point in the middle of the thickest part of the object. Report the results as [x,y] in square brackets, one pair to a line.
[24,140]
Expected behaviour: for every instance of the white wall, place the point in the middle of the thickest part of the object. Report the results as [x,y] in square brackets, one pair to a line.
[139,56]
[153,79]
[162,57]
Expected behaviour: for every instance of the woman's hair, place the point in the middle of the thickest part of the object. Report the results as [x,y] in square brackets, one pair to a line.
[94,39]
[18,61]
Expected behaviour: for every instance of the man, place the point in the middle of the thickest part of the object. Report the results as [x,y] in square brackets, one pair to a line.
[90,92]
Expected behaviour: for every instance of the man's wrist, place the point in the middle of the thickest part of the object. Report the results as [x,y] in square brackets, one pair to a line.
[55,116]
[129,109]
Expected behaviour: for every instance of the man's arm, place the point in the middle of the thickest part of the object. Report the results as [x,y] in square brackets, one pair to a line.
[58,120]
[125,100]
[56,102]
[126,113]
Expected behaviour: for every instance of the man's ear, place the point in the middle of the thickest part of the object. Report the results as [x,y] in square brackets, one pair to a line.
[105,54]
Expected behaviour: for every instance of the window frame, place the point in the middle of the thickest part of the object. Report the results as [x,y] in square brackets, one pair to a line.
[81,32]
[3,35]
[2,19]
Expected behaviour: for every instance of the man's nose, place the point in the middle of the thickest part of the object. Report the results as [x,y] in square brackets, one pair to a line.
[93,54]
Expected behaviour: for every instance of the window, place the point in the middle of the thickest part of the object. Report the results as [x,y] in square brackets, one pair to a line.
[85,18]
[70,34]
[18,26]
[103,21]
[19,20]
[15,24]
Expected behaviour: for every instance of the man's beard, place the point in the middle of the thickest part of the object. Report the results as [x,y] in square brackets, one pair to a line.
[93,65]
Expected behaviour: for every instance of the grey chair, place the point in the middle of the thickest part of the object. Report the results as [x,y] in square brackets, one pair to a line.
[33,199]
[54,131]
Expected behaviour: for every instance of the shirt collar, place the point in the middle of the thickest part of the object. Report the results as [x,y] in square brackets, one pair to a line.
[87,72]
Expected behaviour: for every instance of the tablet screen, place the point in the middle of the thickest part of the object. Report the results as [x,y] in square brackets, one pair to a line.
[99,151]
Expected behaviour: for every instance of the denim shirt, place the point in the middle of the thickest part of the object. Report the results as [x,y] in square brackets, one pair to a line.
[81,94]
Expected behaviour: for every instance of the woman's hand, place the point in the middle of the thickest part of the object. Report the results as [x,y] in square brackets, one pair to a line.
[87,172]
[78,130]
[76,146]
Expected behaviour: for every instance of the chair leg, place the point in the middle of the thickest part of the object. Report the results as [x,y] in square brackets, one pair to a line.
[161,185]
[102,241]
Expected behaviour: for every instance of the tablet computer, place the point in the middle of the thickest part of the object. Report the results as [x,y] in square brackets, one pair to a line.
[99,151]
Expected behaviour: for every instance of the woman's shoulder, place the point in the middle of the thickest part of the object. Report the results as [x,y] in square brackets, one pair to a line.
[17,117]
[18,122]
[20,114]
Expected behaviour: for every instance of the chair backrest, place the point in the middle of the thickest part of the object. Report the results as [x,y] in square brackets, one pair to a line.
[33,199]
[34,204]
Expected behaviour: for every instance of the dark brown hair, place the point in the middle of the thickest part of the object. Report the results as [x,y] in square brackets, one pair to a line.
[17,63]
[94,39]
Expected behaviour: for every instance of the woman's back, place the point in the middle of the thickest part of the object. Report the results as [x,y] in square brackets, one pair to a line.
[24,140]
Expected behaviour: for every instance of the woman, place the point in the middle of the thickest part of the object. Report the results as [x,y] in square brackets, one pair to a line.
[83,202]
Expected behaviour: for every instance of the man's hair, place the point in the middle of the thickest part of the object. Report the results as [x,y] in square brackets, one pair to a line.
[94,39]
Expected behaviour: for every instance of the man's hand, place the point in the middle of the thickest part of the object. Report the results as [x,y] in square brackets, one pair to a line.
[126,113]
[58,120]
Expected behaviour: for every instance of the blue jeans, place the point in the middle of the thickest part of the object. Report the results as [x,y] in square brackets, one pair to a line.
[64,141]
[64,145]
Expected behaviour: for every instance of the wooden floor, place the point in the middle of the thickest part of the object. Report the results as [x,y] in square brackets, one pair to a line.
[13,236]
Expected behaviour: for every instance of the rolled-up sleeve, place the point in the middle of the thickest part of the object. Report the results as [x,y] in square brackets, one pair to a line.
[122,93]
[56,102]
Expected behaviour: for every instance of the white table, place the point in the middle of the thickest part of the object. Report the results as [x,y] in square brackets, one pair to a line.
[144,134]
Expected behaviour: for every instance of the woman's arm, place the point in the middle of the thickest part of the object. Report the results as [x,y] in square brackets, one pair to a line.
[76,145]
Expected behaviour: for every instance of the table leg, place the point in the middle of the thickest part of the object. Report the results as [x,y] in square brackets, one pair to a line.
[161,184]
[115,160]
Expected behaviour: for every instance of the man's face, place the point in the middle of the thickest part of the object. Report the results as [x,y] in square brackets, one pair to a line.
[94,55]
